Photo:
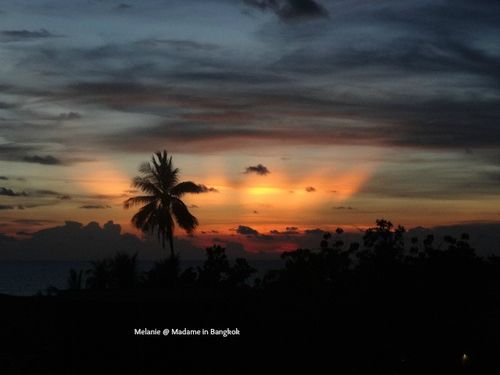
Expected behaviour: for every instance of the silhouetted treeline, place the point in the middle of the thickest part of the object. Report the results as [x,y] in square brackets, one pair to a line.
[387,305]
[383,260]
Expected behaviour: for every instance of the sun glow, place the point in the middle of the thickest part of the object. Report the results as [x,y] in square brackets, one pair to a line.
[264,190]
[103,178]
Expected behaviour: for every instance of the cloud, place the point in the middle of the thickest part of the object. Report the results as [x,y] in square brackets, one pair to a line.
[69,116]
[179,44]
[6,207]
[310,189]
[78,242]
[401,75]
[24,35]
[58,195]
[258,169]
[4,178]
[11,193]
[288,231]
[291,9]
[44,160]
[314,231]
[32,222]
[123,6]
[247,231]
[265,237]
[209,232]
[343,208]
[95,206]
[46,192]
[206,189]
[27,206]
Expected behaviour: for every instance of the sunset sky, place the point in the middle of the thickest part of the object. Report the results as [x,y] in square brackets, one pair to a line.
[295,114]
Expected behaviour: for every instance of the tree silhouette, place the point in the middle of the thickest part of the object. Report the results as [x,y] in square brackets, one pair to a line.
[164,273]
[123,271]
[75,279]
[99,275]
[162,202]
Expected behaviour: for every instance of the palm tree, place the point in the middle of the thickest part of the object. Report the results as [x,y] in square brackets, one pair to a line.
[162,203]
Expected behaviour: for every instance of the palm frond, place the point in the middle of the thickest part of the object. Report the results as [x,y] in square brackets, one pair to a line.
[185,187]
[146,185]
[145,169]
[163,170]
[141,199]
[142,219]
[183,217]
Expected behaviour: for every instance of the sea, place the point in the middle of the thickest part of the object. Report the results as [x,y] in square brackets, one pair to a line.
[27,278]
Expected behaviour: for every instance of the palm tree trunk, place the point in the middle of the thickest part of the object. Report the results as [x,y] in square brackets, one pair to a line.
[171,242]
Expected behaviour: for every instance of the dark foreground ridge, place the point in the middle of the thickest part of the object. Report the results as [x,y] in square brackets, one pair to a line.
[430,306]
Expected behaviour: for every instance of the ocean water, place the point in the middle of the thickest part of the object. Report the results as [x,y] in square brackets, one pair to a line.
[25,278]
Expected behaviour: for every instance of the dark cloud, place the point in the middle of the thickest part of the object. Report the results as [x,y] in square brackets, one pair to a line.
[78,242]
[291,9]
[288,231]
[46,192]
[247,231]
[4,178]
[310,189]
[422,120]
[343,208]
[258,169]
[75,241]
[32,205]
[265,237]
[11,193]
[207,189]
[6,207]
[4,105]
[69,116]
[123,6]
[24,35]
[52,193]
[44,160]
[95,206]
[443,180]
[14,152]
[420,75]
[179,44]
[314,231]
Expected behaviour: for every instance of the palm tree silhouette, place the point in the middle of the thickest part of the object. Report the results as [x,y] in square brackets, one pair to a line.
[159,180]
